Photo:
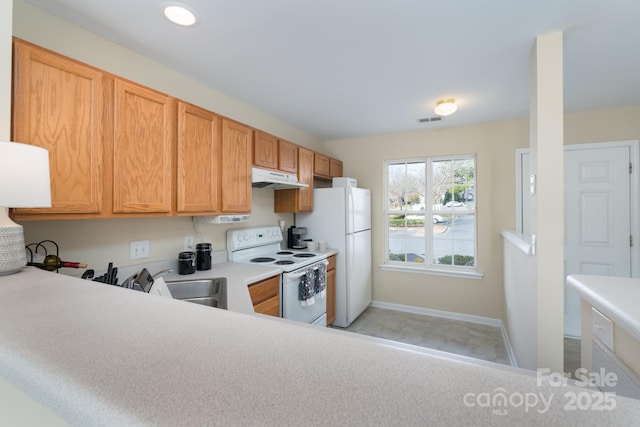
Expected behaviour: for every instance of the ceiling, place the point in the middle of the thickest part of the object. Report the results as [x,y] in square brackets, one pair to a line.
[349,68]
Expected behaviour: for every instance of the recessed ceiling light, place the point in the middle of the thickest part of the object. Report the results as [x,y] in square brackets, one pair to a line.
[178,14]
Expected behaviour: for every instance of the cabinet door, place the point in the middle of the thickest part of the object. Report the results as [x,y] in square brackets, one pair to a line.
[58,105]
[265,150]
[142,149]
[237,140]
[198,160]
[331,290]
[321,165]
[287,156]
[335,168]
[305,175]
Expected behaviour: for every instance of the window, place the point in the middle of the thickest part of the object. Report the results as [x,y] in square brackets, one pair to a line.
[431,213]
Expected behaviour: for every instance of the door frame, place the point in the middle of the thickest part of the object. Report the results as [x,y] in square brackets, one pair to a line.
[634,186]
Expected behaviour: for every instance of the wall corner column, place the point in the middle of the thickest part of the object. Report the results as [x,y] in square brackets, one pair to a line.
[547,204]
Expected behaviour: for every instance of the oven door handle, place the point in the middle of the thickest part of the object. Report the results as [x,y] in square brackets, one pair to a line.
[290,276]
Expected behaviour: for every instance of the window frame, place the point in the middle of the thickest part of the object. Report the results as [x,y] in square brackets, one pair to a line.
[428,267]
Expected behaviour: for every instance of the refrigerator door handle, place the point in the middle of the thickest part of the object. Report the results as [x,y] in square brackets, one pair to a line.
[350,256]
[350,212]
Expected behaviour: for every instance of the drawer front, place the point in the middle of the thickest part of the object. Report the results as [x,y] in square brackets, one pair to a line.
[262,291]
[602,328]
[270,307]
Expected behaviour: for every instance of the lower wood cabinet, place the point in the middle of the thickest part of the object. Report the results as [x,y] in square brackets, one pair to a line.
[265,296]
[331,290]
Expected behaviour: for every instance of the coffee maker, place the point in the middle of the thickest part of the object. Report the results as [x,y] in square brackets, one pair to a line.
[296,238]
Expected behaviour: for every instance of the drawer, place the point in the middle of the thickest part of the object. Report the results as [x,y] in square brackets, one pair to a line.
[261,291]
[602,328]
[270,307]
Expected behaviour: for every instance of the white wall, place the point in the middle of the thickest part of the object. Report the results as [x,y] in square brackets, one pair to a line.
[547,204]
[521,317]
[495,145]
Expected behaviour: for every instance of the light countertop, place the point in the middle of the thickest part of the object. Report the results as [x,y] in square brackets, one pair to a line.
[616,297]
[102,355]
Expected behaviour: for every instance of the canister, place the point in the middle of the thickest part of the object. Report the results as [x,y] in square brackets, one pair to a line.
[203,256]
[186,262]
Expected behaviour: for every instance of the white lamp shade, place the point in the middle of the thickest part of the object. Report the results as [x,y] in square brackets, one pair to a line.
[24,176]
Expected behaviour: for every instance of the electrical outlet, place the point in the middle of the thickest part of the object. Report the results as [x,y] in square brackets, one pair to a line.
[188,243]
[139,249]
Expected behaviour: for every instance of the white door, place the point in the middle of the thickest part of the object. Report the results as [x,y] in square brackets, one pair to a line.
[599,212]
[597,219]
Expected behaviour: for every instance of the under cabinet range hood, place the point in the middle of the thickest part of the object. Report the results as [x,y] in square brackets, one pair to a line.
[263,178]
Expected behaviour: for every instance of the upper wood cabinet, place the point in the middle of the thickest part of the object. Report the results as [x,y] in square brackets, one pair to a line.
[298,199]
[198,160]
[58,104]
[335,168]
[265,150]
[237,142]
[273,153]
[142,149]
[305,175]
[287,156]
[321,165]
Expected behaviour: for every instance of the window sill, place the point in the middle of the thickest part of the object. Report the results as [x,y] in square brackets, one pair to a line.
[434,271]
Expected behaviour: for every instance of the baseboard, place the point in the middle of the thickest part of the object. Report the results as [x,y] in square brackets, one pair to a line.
[488,321]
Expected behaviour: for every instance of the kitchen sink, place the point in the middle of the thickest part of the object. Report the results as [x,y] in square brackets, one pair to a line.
[211,292]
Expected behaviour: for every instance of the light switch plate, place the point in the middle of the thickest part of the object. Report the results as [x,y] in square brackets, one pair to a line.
[139,249]
[532,184]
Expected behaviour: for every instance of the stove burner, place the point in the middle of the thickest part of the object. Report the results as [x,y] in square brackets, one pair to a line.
[285,262]
[284,253]
[304,255]
[262,259]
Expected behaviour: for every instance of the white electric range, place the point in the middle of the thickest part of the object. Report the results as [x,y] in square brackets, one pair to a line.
[301,270]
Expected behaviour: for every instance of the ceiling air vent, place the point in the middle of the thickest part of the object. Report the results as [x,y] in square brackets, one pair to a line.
[430,119]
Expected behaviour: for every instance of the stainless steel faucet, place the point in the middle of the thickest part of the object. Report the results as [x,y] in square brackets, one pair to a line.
[162,273]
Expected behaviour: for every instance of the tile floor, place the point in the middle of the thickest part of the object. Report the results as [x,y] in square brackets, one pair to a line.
[572,354]
[453,336]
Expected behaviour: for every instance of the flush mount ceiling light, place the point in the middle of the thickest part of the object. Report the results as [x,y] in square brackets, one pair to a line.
[178,14]
[444,107]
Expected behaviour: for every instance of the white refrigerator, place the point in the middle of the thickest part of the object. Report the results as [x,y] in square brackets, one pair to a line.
[342,218]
